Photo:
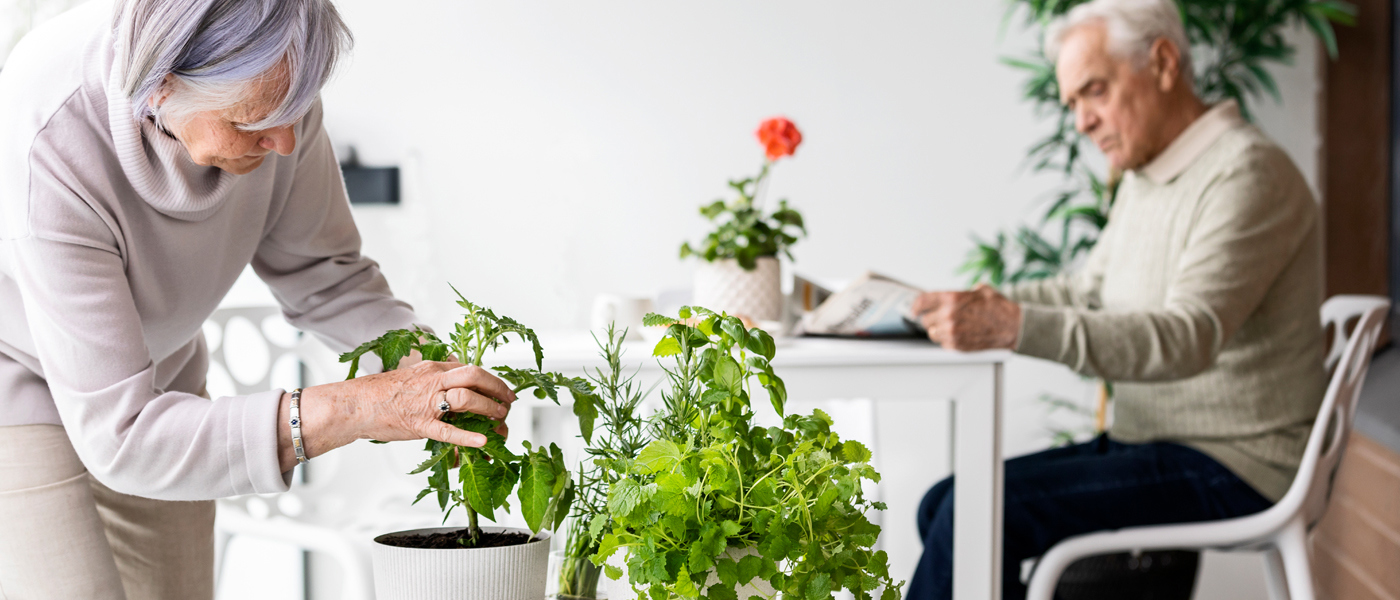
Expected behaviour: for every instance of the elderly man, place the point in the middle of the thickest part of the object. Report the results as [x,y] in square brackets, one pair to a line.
[1200,302]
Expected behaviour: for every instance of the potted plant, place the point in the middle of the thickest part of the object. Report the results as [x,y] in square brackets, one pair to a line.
[739,271]
[479,563]
[714,506]
[619,436]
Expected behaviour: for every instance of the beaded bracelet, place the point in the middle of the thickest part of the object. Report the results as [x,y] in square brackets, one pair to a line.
[296,426]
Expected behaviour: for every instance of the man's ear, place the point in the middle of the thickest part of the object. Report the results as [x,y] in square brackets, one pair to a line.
[1165,60]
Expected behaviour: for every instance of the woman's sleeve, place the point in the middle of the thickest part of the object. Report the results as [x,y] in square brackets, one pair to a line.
[1252,223]
[131,435]
[311,255]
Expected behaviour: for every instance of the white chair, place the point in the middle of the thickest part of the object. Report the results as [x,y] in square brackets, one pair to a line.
[1281,531]
[337,512]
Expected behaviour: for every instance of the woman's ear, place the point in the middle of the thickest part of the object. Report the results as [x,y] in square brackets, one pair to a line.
[167,86]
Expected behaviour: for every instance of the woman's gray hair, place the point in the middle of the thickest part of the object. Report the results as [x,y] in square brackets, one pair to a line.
[1132,27]
[218,51]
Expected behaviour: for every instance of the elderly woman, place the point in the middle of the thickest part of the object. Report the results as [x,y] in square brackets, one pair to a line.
[1200,302]
[150,152]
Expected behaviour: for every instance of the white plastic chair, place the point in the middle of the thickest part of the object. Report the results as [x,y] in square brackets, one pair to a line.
[336,513]
[1281,531]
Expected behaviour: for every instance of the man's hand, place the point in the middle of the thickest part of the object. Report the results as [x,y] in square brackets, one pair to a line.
[980,319]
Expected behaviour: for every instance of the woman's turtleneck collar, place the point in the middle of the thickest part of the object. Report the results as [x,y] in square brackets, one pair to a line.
[158,166]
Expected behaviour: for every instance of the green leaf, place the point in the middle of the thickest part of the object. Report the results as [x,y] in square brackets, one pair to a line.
[819,587]
[668,346]
[586,409]
[624,496]
[762,344]
[749,567]
[433,460]
[559,505]
[729,375]
[479,480]
[855,452]
[658,456]
[655,320]
[536,488]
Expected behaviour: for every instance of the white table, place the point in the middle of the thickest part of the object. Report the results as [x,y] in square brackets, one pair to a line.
[916,372]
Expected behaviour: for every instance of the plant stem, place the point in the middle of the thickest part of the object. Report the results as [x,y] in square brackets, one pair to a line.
[473,528]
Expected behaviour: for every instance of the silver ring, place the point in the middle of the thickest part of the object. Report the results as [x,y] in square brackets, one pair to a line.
[443,406]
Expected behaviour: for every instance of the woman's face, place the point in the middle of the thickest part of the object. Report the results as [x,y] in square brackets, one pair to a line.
[214,139]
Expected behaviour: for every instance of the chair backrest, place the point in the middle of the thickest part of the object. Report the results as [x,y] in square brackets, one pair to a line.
[1347,361]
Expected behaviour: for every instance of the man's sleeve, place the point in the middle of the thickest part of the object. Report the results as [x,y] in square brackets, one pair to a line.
[1251,224]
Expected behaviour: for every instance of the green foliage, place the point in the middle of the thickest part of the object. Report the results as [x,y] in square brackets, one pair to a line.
[1234,42]
[708,480]
[620,438]
[486,475]
[743,231]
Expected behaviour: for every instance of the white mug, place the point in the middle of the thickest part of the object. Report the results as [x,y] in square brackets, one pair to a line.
[626,310]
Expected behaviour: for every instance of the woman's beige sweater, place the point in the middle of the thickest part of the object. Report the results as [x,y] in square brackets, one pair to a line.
[114,249]
[1200,303]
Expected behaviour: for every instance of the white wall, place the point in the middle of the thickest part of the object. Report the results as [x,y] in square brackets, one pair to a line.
[557,149]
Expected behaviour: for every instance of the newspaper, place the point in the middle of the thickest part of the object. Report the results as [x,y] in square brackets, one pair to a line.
[871,306]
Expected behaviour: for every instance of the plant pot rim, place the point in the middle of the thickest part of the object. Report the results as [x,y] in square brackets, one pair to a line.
[544,536]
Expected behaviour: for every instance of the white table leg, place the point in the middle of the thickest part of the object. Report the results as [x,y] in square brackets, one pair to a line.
[977,498]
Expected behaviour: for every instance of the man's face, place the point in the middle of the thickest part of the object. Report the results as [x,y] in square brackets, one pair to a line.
[1115,105]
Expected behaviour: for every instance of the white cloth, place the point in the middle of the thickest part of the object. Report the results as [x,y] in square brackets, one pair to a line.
[114,249]
[64,535]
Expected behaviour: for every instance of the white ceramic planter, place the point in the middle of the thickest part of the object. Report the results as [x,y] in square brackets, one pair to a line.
[620,589]
[723,285]
[508,573]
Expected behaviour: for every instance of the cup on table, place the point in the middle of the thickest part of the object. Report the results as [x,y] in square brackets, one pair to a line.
[626,310]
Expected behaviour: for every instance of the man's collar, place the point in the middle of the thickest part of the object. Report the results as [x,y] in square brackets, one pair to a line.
[1192,142]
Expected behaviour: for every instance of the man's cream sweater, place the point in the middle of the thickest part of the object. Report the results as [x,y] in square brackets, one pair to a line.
[1200,303]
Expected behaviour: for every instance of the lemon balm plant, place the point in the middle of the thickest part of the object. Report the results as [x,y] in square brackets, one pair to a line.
[717,507]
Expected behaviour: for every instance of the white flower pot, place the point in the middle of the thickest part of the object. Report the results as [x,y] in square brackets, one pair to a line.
[506,573]
[725,286]
[620,589]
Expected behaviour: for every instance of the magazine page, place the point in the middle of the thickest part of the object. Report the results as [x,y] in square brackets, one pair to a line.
[871,306]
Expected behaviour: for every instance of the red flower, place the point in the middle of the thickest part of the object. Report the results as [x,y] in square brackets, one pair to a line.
[779,137]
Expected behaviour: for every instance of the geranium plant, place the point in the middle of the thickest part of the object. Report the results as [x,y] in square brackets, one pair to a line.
[487,475]
[711,493]
[743,230]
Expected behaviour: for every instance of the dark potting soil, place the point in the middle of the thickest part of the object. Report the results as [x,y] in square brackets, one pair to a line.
[458,539]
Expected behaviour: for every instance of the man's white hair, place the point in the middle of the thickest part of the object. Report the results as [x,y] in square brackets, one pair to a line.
[1132,27]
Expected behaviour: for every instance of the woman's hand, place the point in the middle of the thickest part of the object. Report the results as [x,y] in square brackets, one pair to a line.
[398,405]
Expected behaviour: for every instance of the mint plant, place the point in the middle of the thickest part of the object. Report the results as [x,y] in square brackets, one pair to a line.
[709,480]
[487,475]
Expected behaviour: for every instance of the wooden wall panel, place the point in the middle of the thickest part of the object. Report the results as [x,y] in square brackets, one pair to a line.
[1356,145]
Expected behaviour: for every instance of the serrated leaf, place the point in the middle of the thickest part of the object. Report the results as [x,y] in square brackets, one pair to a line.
[658,456]
[432,460]
[536,488]
[478,484]
[855,452]
[655,320]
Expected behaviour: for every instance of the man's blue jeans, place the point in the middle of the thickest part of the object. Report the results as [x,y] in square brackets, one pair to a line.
[1097,485]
